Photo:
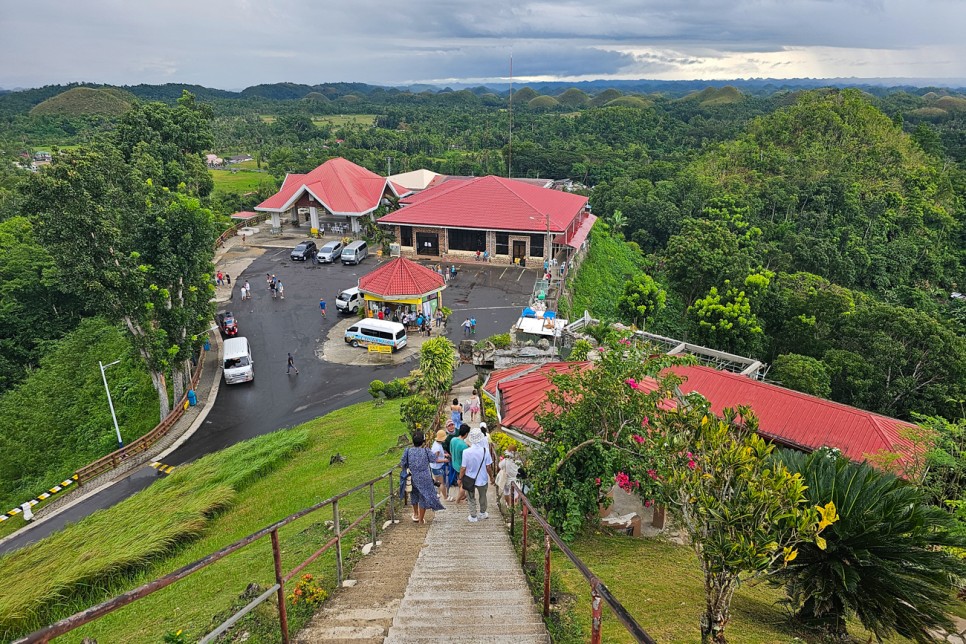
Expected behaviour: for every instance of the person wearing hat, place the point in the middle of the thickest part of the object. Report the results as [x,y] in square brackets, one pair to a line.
[437,466]
[476,465]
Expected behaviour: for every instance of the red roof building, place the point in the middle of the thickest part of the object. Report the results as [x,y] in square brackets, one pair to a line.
[402,285]
[786,417]
[338,187]
[509,219]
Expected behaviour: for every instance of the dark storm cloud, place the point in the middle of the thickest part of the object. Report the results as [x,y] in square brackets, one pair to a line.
[234,43]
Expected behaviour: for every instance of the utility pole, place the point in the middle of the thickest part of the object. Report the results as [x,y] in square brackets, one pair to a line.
[117,430]
[509,149]
[388,166]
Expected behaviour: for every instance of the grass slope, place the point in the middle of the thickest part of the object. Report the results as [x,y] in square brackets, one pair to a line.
[661,585]
[600,279]
[202,507]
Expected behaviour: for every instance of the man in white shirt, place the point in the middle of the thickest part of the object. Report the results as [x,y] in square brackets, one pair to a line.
[477,465]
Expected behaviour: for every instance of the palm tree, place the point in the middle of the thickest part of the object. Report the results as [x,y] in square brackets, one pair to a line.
[617,222]
[887,560]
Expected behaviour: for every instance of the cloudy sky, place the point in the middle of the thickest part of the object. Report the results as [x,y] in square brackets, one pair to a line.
[232,44]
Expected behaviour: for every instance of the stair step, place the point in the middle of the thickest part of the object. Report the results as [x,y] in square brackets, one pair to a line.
[351,633]
[423,634]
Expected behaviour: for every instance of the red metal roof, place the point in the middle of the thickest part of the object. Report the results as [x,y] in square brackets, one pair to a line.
[244,215]
[339,185]
[401,277]
[785,416]
[494,203]
[796,419]
[581,233]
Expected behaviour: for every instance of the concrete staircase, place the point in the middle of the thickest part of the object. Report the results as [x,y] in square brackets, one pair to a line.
[467,586]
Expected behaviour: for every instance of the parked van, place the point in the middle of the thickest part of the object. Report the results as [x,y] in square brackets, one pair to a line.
[239,366]
[349,300]
[355,252]
[330,252]
[371,331]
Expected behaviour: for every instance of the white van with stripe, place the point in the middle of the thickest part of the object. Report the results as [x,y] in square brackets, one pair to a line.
[372,331]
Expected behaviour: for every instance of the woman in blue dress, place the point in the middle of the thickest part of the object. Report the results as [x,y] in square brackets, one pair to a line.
[417,459]
[456,412]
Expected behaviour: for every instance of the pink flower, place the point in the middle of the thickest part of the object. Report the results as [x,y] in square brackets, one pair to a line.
[625,342]
[652,474]
[597,480]
[690,455]
[648,503]
[692,464]
[638,439]
[630,382]
[623,481]
[645,422]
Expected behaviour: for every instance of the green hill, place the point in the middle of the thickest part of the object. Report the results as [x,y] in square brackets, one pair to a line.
[630,101]
[605,97]
[544,103]
[84,101]
[711,96]
[524,95]
[574,97]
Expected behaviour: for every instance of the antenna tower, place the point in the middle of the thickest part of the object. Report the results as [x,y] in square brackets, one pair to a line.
[509,154]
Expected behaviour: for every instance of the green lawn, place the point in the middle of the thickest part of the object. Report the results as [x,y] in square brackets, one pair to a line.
[239,181]
[336,120]
[199,509]
[661,585]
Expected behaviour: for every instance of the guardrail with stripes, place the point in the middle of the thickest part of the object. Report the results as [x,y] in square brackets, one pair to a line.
[40,497]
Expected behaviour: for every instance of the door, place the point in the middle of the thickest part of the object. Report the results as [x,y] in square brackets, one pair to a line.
[427,244]
[519,250]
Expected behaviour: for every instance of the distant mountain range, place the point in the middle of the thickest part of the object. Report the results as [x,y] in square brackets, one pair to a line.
[23,100]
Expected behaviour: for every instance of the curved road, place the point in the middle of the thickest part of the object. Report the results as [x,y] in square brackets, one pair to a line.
[494,294]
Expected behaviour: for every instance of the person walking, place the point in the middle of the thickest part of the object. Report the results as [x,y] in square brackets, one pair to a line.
[438,466]
[280,289]
[456,412]
[456,448]
[438,316]
[475,471]
[466,328]
[248,290]
[244,293]
[227,279]
[472,326]
[291,365]
[474,407]
[418,460]
[219,278]
[322,306]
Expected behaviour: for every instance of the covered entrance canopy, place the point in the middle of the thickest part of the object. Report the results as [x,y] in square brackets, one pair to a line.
[402,287]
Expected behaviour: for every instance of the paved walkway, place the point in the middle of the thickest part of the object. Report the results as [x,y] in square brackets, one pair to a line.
[467,586]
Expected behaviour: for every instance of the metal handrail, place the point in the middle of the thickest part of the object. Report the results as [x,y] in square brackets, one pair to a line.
[95,612]
[598,590]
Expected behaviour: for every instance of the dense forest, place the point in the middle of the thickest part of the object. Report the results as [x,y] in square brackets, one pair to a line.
[818,229]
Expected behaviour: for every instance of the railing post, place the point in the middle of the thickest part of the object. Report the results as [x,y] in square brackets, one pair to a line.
[338,541]
[524,548]
[546,575]
[372,512]
[595,612]
[282,613]
[513,507]
[392,497]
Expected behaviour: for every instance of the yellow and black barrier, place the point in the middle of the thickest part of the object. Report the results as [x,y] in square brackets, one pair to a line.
[40,497]
[161,467]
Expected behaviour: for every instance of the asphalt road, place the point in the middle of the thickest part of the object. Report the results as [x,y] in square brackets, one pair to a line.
[495,295]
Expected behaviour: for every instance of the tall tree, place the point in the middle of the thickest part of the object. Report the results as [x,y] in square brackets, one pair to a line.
[703,255]
[642,299]
[141,255]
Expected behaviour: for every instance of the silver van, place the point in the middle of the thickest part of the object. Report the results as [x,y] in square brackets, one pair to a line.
[349,301]
[355,252]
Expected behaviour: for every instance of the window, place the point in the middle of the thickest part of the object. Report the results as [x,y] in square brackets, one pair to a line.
[502,244]
[467,239]
[405,236]
[536,245]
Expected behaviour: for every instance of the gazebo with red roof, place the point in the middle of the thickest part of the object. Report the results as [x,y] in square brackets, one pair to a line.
[343,190]
[512,220]
[402,286]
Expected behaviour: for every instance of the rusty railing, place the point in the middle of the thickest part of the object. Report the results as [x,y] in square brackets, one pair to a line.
[598,590]
[118,457]
[95,612]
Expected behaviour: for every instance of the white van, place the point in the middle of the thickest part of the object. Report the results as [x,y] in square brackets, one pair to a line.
[349,300]
[239,366]
[371,331]
[355,252]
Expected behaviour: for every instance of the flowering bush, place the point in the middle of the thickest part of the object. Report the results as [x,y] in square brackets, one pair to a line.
[307,591]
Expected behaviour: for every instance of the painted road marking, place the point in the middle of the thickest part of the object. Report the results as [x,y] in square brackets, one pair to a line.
[161,467]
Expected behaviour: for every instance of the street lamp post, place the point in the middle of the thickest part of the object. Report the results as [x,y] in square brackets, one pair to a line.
[120,442]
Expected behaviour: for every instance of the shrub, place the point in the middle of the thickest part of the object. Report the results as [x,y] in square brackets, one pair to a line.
[398,388]
[503,443]
[418,413]
[437,360]
[580,350]
[489,412]
[501,340]
[377,387]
